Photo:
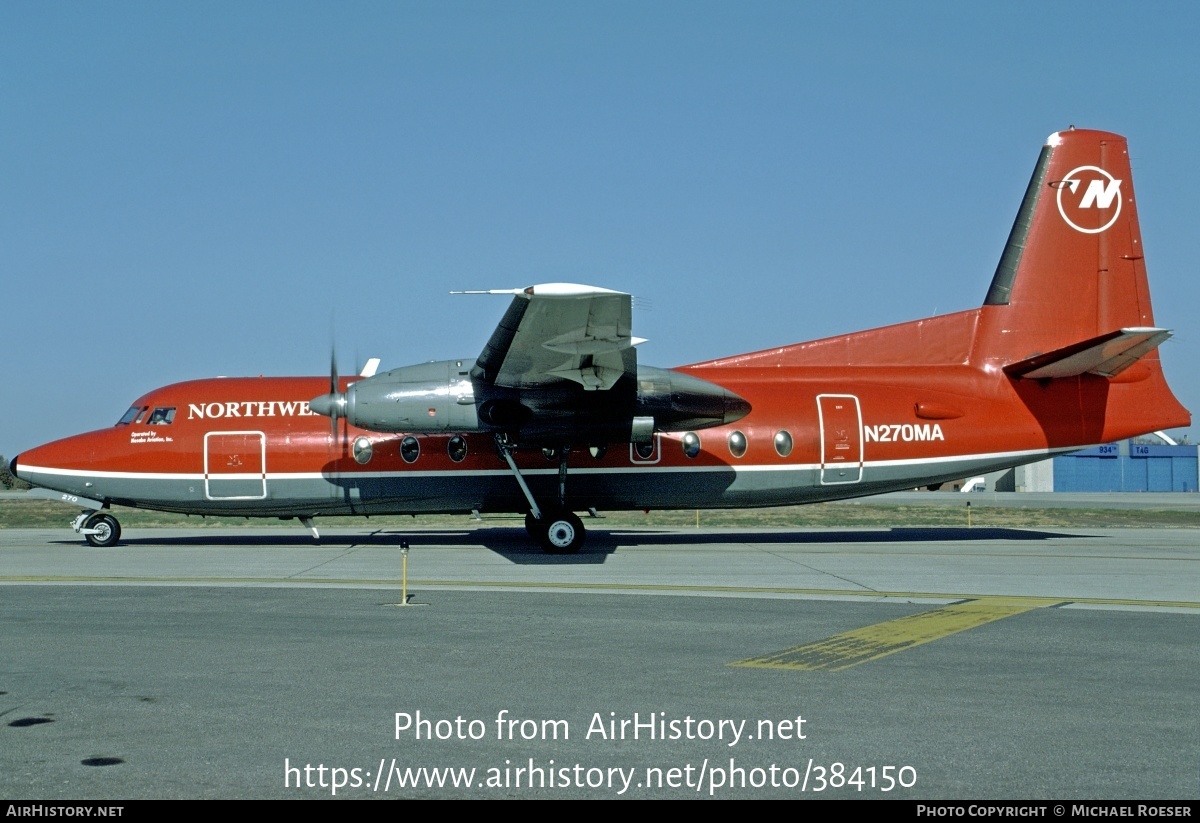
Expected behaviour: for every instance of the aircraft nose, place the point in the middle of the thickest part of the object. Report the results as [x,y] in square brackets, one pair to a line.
[12,467]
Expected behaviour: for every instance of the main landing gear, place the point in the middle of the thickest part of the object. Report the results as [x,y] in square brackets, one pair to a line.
[559,530]
[99,529]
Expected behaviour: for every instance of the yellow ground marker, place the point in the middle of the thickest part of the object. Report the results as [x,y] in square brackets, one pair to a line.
[871,642]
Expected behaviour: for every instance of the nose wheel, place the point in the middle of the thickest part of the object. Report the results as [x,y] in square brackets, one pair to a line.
[101,530]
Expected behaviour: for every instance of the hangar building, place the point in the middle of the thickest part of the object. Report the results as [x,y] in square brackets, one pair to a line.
[1124,466]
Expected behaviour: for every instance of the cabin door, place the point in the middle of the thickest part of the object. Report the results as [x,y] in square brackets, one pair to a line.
[235,466]
[841,439]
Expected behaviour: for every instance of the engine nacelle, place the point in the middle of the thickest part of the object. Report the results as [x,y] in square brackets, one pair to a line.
[679,402]
[428,398]
[439,397]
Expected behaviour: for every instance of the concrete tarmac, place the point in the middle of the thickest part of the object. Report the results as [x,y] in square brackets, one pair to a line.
[955,663]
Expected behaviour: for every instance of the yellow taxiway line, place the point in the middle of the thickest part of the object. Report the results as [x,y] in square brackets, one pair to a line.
[872,642]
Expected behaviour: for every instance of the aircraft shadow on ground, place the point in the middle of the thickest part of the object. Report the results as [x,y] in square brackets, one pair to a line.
[600,544]
[515,545]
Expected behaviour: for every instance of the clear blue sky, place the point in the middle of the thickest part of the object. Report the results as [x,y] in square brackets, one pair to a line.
[199,189]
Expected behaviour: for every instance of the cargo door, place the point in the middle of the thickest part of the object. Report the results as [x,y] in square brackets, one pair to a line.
[235,465]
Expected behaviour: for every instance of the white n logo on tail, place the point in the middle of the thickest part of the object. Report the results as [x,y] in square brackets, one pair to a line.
[1100,194]
[1103,190]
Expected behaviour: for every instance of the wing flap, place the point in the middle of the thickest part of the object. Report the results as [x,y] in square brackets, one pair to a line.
[594,373]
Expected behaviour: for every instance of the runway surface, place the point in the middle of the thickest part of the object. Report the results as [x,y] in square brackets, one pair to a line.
[915,663]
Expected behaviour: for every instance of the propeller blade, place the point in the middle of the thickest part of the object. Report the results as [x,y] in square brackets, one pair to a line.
[333,371]
[333,404]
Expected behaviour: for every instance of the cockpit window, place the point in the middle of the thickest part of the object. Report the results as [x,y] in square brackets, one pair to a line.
[133,413]
[161,416]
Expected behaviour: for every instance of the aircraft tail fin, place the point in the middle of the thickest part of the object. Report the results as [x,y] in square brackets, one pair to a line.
[1070,300]
[1070,291]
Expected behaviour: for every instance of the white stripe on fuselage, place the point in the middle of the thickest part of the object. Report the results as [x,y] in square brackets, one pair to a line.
[1019,456]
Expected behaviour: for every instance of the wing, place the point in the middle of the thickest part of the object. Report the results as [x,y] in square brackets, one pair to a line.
[559,370]
[560,332]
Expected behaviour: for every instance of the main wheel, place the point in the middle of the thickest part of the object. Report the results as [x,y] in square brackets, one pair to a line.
[108,530]
[563,533]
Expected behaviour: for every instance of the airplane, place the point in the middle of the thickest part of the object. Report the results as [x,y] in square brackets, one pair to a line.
[556,415]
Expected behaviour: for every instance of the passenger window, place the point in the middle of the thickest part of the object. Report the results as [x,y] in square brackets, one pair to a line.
[737,444]
[691,444]
[362,450]
[410,449]
[457,448]
[783,443]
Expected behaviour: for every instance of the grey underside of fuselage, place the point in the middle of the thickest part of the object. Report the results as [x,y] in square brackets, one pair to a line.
[641,487]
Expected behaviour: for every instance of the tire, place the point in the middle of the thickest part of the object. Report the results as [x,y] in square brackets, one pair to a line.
[108,531]
[563,533]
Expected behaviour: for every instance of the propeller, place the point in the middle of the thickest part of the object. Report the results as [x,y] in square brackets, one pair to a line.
[333,404]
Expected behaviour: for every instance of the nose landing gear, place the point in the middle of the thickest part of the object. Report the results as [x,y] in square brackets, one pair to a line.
[99,529]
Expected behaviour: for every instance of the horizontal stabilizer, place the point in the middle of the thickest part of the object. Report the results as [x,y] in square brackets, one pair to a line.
[1107,355]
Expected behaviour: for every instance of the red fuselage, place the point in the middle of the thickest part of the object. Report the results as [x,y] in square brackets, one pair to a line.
[1062,355]
[814,432]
